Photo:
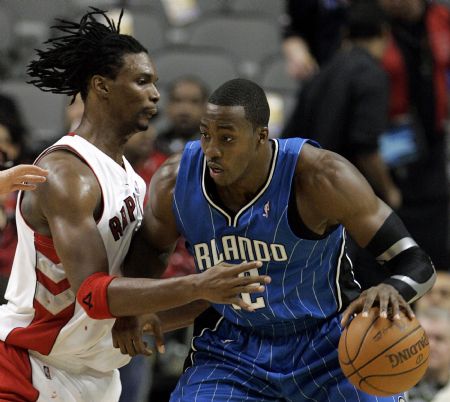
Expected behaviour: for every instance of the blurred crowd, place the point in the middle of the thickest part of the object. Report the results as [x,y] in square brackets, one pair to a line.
[369,80]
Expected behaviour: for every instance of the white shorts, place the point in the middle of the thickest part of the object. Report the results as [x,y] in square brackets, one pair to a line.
[59,385]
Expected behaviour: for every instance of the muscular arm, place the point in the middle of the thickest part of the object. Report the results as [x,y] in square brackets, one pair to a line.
[338,193]
[67,202]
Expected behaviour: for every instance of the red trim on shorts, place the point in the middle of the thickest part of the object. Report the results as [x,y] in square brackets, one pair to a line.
[16,383]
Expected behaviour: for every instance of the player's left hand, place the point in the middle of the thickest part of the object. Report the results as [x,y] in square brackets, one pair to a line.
[127,334]
[386,296]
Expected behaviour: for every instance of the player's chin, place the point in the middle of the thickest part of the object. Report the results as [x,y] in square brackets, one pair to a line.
[220,179]
[142,125]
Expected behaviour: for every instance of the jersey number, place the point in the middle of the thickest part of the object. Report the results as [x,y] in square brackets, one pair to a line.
[259,301]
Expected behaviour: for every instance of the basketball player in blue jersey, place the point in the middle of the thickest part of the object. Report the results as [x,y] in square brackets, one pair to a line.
[236,196]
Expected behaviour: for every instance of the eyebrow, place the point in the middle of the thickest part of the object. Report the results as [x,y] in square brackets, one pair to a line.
[150,76]
[219,125]
[225,125]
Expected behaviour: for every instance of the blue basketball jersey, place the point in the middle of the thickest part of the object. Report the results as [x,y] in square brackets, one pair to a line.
[306,274]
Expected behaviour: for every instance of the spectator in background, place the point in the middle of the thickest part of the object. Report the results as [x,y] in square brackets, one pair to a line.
[345,107]
[438,295]
[436,323]
[312,34]
[416,61]
[12,178]
[142,154]
[187,101]
[11,118]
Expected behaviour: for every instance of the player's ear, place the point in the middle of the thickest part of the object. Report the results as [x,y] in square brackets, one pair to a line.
[100,85]
[263,134]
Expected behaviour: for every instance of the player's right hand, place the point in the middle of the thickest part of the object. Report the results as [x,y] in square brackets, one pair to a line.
[223,283]
[384,295]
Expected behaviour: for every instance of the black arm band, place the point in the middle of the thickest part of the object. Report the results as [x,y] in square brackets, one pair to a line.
[412,272]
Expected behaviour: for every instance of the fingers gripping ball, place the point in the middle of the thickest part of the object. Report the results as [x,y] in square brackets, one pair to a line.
[382,356]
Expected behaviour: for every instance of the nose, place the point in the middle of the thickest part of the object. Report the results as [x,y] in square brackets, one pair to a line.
[154,94]
[212,149]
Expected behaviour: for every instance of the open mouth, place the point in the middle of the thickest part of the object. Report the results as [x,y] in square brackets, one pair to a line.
[214,169]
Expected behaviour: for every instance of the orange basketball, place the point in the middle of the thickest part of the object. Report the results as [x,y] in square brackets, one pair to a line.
[381,356]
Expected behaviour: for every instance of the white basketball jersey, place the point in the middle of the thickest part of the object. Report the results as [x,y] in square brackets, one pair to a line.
[42,313]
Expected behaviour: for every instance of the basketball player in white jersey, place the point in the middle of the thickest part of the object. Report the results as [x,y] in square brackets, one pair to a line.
[74,230]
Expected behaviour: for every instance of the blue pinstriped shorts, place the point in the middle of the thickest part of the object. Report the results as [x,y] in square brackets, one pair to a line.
[235,364]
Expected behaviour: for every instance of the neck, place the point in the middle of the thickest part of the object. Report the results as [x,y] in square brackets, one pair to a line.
[105,137]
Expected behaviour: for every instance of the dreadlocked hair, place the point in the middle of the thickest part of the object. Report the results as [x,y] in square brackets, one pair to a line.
[85,49]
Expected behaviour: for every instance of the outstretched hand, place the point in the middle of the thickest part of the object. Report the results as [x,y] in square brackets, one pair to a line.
[21,177]
[386,296]
[224,283]
[127,334]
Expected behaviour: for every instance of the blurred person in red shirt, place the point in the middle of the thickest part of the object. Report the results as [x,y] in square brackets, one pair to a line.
[143,156]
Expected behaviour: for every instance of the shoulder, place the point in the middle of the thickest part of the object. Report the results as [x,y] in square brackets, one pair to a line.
[331,182]
[162,186]
[69,178]
[67,165]
[166,176]
[316,165]
[70,191]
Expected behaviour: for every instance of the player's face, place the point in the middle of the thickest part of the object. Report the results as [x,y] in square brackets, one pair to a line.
[133,94]
[439,337]
[439,294]
[229,144]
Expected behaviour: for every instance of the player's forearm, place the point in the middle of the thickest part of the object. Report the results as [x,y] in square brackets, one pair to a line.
[130,296]
[183,316]
[412,272]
